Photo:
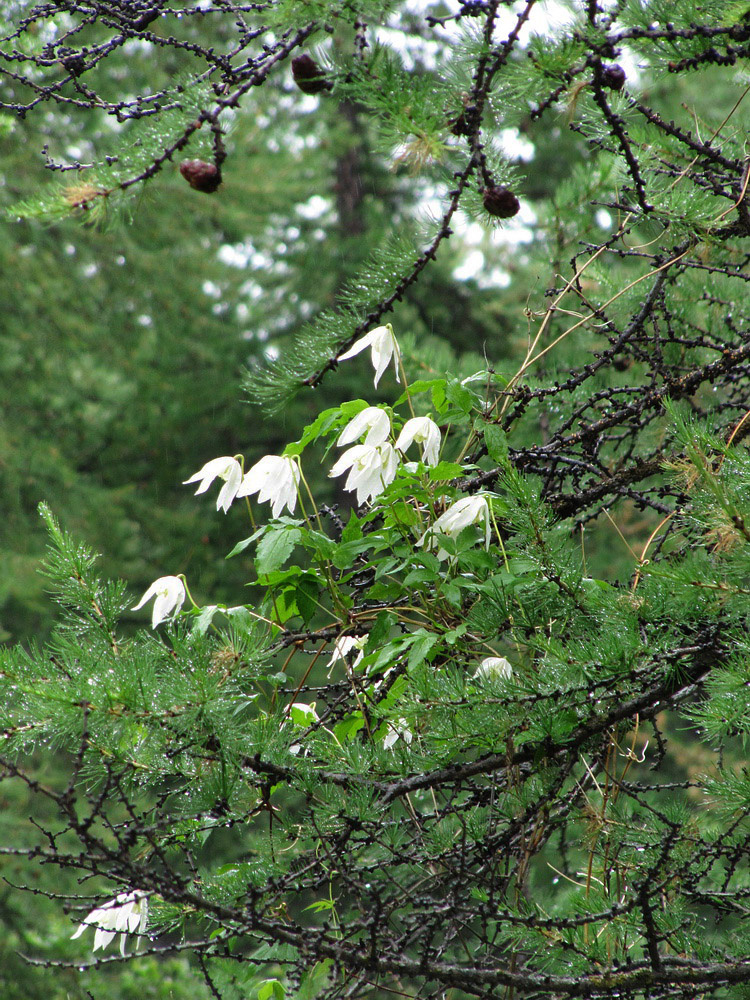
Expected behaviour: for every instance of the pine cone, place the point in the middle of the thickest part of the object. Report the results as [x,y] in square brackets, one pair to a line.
[200,175]
[501,201]
[465,123]
[613,76]
[308,76]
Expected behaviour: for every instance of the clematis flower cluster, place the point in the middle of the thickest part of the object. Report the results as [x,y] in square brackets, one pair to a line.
[372,465]
[125,914]
[371,468]
[275,478]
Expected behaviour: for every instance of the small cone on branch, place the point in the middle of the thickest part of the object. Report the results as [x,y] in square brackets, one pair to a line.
[613,76]
[501,202]
[200,175]
[308,76]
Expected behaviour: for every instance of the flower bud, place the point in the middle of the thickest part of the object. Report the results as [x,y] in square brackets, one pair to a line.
[501,201]
[200,175]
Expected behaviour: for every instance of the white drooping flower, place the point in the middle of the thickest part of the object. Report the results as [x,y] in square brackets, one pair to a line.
[396,731]
[492,668]
[371,469]
[225,468]
[274,478]
[470,510]
[384,347]
[169,592]
[122,915]
[372,420]
[425,432]
[343,646]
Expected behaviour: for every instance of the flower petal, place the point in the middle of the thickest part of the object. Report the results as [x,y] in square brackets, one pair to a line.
[169,592]
[373,420]
[274,478]
[358,346]
[384,347]
[493,667]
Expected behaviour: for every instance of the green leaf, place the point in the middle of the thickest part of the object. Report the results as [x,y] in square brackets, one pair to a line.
[459,395]
[403,514]
[419,576]
[302,716]
[306,597]
[422,646]
[344,555]
[348,728]
[275,548]
[451,593]
[241,546]
[446,470]
[422,385]
[280,576]
[271,989]
[323,546]
[438,396]
[497,443]
[324,422]
[456,633]
[204,618]
[381,631]
[314,981]
[352,529]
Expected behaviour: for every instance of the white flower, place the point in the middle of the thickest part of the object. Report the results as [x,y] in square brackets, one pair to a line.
[373,420]
[384,347]
[492,668]
[470,510]
[169,592]
[372,468]
[425,432]
[123,914]
[274,478]
[225,468]
[396,731]
[343,646]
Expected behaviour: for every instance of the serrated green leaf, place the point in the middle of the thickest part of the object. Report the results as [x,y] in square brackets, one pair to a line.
[446,470]
[352,529]
[241,546]
[203,620]
[460,396]
[421,648]
[497,443]
[275,548]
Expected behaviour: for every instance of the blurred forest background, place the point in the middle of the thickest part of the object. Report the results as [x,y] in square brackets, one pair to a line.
[125,344]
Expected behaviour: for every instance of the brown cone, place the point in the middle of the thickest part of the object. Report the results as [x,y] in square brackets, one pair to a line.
[200,175]
[613,76]
[308,75]
[501,202]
